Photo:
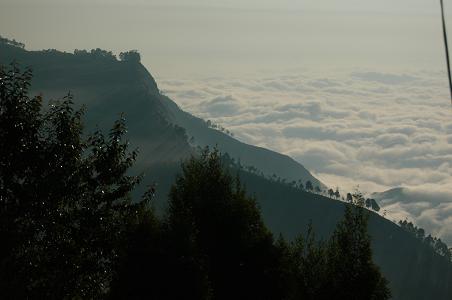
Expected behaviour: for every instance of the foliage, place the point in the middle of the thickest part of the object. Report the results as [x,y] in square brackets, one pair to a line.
[309,258]
[12,42]
[309,187]
[103,54]
[349,258]
[435,243]
[216,126]
[341,267]
[156,266]
[64,198]
[130,56]
[372,204]
[212,211]
[96,53]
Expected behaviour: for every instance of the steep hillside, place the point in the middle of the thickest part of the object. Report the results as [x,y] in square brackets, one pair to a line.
[269,162]
[108,87]
[413,269]
[160,129]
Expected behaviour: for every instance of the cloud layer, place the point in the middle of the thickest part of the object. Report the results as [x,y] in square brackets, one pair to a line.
[373,128]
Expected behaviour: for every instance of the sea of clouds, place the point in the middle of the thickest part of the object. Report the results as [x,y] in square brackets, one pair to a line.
[375,129]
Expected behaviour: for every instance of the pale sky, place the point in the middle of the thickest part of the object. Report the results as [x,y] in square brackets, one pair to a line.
[211,37]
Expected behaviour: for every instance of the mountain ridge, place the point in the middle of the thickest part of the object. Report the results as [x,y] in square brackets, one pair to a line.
[78,73]
[109,86]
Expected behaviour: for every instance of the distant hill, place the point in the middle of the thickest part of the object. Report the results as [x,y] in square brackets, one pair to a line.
[407,195]
[389,194]
[161,129]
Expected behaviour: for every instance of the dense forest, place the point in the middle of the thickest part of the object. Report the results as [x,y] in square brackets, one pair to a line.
[70,227]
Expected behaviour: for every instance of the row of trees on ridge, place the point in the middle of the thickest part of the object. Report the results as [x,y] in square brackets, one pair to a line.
[435,243]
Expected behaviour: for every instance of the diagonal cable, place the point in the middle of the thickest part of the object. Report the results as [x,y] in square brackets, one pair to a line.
[447,49]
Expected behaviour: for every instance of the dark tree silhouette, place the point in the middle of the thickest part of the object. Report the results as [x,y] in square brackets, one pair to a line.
[330,193]
[103,54]
[308,186]
[64,197]
[210,211]
[353,274]
[435,243]
[308,257]
[11,42]
[130,56]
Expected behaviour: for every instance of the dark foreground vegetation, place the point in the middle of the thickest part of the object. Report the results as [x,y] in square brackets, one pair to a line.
[70,229]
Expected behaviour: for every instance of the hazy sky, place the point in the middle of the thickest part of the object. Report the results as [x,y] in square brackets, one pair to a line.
[211,37]
[355,90]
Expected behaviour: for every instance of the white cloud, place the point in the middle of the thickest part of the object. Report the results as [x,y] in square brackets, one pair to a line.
[221,106]
[373,128]
[429,207]
[384,78]
[391,139]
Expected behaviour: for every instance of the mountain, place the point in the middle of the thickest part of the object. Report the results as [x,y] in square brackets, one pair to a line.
[161,130]
[266,161]
[414,270]
[108,86]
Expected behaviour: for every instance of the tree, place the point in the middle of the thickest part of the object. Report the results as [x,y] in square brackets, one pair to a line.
[223,230]
[300,184]
[429,240]
[103,54]
[353,274]
[309,187]
[12,42]
[308,257]
[337,194]
[81,52]
[374,205]
[330,193]
[130,56]
[420,234]
[160,264]
[64,196]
